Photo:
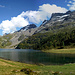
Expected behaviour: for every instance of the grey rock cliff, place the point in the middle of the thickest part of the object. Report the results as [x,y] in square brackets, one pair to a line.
[58,21]
[20,35]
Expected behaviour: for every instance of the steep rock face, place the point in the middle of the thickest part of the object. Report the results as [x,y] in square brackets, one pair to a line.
[58,21]
[28,27]
[44,22]
[59,16]
[23,33]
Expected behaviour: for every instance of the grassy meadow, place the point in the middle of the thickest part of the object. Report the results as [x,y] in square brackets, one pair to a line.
[16,68]
[68,51]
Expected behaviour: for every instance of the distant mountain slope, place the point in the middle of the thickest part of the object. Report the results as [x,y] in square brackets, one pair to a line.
[58,23]
[28,27]
[18,36]
[58,32]
[48,40]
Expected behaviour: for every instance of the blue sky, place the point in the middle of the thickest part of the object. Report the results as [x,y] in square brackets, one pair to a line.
[15,14]
[15,7]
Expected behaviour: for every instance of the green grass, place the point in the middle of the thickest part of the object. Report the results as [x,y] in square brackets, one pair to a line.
[69,51]
[13,68]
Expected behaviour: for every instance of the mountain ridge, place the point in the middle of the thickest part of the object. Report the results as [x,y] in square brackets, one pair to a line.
[57,22]
[58,32]
[58,19]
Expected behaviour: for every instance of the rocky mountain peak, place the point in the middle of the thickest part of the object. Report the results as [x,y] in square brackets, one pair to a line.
[28,27]
[44,22]
[68,12]
[56,14]
[56,17]
[58,21]
[60,14]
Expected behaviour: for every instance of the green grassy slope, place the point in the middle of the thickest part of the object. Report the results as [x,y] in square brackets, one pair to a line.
[4,40]
[16,68]
[69,51]
[63,38]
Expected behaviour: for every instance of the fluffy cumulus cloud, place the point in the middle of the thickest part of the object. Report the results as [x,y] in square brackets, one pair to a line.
[43,13]
[10,26]
[25,18]
[71,5]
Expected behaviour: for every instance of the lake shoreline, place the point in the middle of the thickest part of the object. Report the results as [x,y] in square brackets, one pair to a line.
[30,56]
[8,67]
[61,51]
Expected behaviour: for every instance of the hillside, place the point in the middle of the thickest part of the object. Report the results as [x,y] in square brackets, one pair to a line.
[17,68]
[58,32]
[12,39]
[50,40]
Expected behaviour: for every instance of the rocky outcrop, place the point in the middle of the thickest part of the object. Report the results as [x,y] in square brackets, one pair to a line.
[20,35]
[27,27]
[58,21]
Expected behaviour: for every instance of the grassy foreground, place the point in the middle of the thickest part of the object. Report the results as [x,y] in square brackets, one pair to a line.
[17,68]
[69,51]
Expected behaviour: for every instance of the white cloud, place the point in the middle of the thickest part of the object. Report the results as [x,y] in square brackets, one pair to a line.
[68,5]
[52,8]
[43,12]
[70,2]
[10,26]
[27,17]
[19,21]
[71,5]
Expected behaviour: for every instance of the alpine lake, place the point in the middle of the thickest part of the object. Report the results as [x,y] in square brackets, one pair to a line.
[36,57]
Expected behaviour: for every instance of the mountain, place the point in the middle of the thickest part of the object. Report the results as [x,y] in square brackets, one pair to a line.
[15,38]
[58,32]
[30,35]
[28,27]
[58,21]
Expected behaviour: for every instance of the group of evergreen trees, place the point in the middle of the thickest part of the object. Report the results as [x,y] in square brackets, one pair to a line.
[49,40]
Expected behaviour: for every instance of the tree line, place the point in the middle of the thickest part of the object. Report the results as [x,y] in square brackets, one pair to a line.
[49,40]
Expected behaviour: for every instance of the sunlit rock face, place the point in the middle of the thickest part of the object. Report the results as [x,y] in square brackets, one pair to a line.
[58,21]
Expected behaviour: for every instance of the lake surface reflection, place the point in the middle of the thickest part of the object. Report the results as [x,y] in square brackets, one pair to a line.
[36,56]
